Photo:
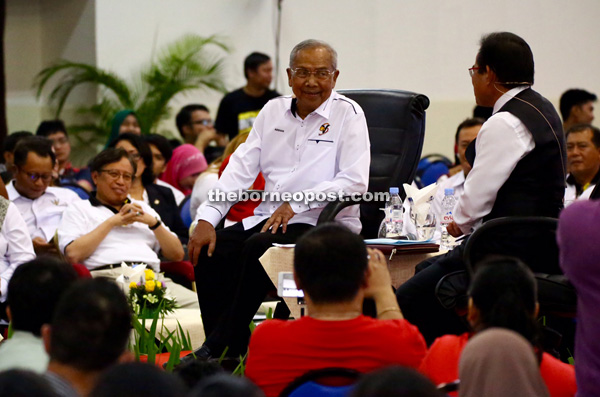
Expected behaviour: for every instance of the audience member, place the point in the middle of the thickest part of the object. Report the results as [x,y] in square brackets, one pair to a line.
[577,107]
[56,131]
[138,380]
[89,333]
[232,282]
[332,267]
[143,188]
[518,170]
[499,363]
[22,383]
[222,385]
[109,228]
[40,205]
[503,294]
[193,372]
[238,109]
[196,128]
[583,161]
[577,233]
[124,121]
[33,292]
[161,155]
[8,148]
[395,381]
[184,168]
[15,247]
[465,134]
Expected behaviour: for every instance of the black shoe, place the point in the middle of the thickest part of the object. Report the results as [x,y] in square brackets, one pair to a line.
[201,354]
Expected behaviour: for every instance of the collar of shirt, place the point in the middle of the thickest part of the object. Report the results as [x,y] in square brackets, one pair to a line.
[13,193]
[96,203]
[579,188]
[507,96]
[323,110]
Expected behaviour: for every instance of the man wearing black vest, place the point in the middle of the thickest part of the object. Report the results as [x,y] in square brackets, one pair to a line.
[518,170]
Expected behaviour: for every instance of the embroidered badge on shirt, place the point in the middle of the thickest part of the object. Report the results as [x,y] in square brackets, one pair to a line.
[324,129]
[56,202]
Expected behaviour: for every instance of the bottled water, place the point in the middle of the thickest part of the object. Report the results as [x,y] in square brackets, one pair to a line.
[448,204]
[394,212]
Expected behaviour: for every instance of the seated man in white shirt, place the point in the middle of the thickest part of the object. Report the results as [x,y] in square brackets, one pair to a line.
[111,228]
[314,142]
[583,160]
[40,205]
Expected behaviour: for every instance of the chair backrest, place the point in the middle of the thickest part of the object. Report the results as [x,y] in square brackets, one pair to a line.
[529,238]
[396,121]
[184,211]
[325,382]
[430,168]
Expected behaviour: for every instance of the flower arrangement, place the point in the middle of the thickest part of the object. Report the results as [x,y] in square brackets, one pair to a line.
[148,296]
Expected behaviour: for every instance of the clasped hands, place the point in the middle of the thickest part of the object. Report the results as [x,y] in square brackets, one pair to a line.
[130,213]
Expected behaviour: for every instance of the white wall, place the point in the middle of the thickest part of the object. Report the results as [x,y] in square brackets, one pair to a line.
[424,46]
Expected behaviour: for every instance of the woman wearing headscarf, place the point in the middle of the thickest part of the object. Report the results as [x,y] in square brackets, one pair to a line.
[143,188]
[125,121]
[498,363]
[503,293]
[184,168]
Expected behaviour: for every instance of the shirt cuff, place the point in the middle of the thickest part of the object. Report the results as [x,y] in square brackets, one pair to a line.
[3,289]
[211,215]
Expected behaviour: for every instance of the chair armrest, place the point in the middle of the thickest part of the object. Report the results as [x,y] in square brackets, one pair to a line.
[333,208]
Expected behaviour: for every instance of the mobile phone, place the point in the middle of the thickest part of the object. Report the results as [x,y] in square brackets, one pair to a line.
[286,286]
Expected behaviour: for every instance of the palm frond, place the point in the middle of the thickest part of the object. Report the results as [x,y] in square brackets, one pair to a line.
[75,74]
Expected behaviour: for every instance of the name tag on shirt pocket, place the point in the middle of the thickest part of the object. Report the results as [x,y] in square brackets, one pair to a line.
[325,143]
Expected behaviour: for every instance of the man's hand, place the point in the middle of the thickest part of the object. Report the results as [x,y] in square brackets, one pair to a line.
[280,217]
[379,280]
[40,246]
[128,214]
[454,230]
[204,233]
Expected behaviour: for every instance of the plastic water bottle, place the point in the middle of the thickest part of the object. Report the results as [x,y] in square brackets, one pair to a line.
[394,206]
[448,204]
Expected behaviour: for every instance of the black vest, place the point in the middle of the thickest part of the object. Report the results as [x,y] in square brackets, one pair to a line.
[536,187]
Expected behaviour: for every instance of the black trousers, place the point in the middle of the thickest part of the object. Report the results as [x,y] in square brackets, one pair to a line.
[417,300]
[232,283]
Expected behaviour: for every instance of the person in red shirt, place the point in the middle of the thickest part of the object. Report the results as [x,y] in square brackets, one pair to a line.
[336,272]
[503,294]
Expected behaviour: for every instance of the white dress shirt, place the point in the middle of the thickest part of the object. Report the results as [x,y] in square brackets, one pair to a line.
[15,247]
[132,243]
[326,152]
[43,214]
[501,143]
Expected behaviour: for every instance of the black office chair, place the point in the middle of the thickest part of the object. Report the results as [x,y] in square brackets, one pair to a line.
[396,121]
[532,239]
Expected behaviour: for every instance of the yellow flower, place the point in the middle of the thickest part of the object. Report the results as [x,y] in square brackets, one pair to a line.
[149,274]
[158,284]
[132,285]
[150,284]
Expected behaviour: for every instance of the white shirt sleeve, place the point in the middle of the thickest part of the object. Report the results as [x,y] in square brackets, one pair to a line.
[19,248]
[502,142]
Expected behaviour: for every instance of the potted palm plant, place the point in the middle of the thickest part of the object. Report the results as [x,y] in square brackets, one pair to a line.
[189,63]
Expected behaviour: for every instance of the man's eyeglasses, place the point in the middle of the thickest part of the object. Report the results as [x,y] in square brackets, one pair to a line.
[115,175]
[35,176]
[320,74]
[472,70]
[205,123]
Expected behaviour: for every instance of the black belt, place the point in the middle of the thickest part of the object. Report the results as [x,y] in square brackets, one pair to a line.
[112,266]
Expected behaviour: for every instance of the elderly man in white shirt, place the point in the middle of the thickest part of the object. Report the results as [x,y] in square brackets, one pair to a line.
[40,205]
[518,170]
[307,145]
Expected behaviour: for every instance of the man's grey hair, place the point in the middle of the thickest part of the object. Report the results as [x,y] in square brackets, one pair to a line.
[311,43]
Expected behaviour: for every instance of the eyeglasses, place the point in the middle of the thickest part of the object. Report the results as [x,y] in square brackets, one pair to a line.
[472,70]
[320,74]
[115,175]
[205,122]
[35,176]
